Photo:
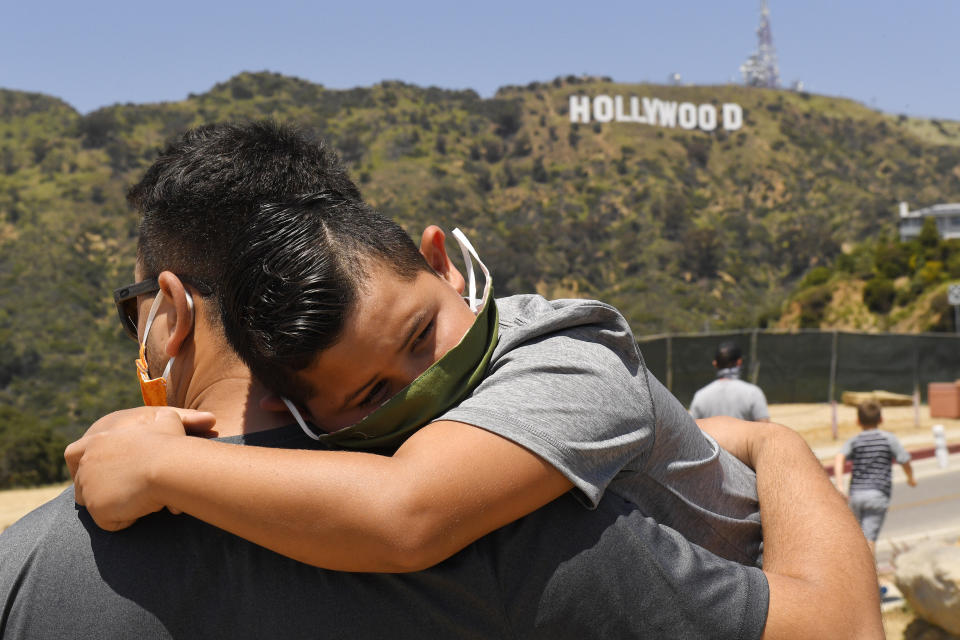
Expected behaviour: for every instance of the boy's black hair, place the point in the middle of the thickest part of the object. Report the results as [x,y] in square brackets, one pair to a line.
[727,354]
[211,181]
[294,277]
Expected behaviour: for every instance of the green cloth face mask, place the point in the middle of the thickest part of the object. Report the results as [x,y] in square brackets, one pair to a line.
[442,386]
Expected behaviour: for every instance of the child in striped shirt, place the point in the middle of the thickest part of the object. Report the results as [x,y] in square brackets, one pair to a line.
[872,453]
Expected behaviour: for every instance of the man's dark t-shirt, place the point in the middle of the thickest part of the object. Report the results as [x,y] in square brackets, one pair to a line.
[561,572]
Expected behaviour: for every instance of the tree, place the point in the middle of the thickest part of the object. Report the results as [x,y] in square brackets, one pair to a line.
[929,235]
[539,172]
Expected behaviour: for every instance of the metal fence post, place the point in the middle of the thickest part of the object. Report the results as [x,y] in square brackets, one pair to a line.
[669,362]
[833,387]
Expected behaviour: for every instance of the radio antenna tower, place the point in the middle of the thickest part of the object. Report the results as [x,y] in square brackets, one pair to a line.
[760,69]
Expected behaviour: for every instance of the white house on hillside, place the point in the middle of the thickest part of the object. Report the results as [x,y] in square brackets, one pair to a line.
[946,215]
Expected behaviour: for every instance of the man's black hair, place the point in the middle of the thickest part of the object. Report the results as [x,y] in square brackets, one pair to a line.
[212,180]
[728,353]
[295,273]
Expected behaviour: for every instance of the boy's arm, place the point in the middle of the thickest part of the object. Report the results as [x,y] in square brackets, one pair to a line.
[448,485]
[902,456]
[820,571]
[908,470]
[838,462]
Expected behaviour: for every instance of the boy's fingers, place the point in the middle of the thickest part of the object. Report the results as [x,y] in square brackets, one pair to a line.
[72,455]
[195,422]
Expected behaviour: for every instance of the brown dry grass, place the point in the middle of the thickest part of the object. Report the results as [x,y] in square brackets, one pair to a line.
[16,503]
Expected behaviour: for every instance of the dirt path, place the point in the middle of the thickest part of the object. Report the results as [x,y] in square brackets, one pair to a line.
[812,421]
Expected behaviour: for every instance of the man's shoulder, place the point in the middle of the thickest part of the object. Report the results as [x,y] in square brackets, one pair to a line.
[716,385]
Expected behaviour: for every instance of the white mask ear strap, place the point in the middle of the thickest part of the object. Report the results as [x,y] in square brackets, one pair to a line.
[467,250]
[150,318]
[299,418]
[153,314]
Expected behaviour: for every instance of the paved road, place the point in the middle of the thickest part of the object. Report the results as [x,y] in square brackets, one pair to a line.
[931,509]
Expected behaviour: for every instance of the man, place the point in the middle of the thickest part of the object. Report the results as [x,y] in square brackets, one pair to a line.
[584,579]
[728,395]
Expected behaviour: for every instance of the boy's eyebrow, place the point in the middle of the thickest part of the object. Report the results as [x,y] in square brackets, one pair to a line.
[414,326]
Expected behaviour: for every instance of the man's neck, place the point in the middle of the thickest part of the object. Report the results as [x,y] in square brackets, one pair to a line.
[730,373]
[235,401]
[219,383]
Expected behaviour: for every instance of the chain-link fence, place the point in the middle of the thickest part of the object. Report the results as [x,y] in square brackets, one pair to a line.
[808,366]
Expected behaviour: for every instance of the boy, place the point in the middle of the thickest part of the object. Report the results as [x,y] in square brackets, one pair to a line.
[872,453]
[332,305]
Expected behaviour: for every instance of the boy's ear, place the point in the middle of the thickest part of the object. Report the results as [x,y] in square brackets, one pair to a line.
[433,248]
[182,322]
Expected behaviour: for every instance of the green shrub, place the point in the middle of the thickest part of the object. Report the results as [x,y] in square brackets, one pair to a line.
[813,304]
[879,295]
[816,277]
[892,260]
[539,171]
[930,273]
[30,453]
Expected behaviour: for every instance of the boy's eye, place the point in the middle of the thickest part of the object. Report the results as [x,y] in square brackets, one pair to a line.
[420,339]
[376,395]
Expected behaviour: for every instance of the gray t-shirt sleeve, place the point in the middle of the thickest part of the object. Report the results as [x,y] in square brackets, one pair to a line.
[900,454]
[577,398]
[847,448]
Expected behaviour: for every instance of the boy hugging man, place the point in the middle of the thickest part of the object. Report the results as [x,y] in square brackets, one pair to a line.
[872,452]
[483,411]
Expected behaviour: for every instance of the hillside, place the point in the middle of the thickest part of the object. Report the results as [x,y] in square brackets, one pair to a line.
[880,284]
[679,228]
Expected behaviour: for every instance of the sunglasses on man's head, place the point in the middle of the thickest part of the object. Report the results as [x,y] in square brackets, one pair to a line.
[126,300]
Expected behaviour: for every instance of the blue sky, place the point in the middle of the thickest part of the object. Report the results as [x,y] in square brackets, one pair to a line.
[896,56]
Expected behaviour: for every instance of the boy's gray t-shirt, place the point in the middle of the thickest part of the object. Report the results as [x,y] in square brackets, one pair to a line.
[567,382]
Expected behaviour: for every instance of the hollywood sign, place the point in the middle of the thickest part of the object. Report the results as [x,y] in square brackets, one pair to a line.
[686,115]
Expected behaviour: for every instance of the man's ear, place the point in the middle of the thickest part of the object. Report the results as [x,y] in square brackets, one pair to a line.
[433,248]
[182,321]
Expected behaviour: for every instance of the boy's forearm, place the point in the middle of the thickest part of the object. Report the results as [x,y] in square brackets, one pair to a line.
[821,573]
[353,511]
[303,504]
[908,470]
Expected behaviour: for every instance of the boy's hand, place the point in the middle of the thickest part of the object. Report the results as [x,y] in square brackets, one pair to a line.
[912,482]
[111,463]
